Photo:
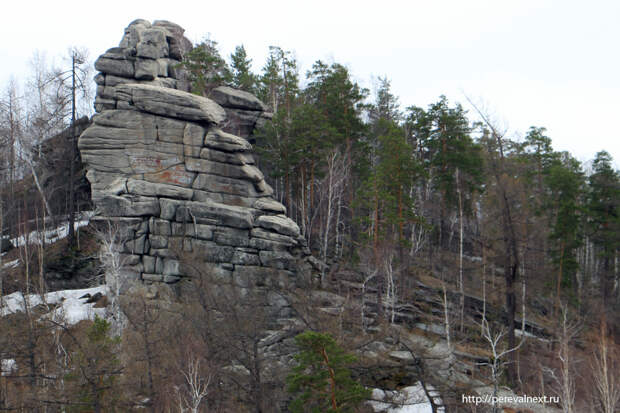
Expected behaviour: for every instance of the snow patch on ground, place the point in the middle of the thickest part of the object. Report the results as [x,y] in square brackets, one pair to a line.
[410,399]
[70,307]
[11,264]
[54,234]
[519,333]
[7,366]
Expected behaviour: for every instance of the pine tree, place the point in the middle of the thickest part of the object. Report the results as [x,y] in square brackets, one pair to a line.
[386,104]
[95,370]
[539,151]
[386,189]
[322,381]
[241,73]
[565,182]
[604,216]
[207,70]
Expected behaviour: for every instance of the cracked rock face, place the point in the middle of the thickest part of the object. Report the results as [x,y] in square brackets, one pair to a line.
[176,170]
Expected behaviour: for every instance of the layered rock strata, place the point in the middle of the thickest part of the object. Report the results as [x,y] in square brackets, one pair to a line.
[151,54]
[147,54]
[164,164]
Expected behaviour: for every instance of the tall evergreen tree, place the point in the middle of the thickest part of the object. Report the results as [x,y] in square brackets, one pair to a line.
[206,67]
[322,380]
[386,104]
[241,72]
[565,181]
[447,150]
[604,217]
[279,87]
[385,192]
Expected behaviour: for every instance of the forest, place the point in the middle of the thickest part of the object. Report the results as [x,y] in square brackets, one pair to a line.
[427,224]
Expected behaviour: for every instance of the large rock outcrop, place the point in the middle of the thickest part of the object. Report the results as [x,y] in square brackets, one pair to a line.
[176,170]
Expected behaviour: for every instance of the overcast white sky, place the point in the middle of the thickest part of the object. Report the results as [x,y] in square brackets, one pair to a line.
[545,63]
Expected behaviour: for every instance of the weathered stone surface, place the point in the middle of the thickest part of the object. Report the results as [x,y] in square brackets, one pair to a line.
[149,263]
[133,33]
[226,185]
[237,158]
[263,188]
[115,65]
[171,267]
[107,160]
[171,279]
[162,253]
[221,214]
[268,245]
[244,258]
[218,139]
[151,189]
[203,196]
[242,122]
[104,104]
[136,246]
[146,161]
[129,259]
[231,236]
[277,259]
[152,277]
[239,99]
[169,208]
[124,129]
[177,43]
[158,241]
[175,175]
[117,206]
[280,224]
[171,103]
[272,236]
[193,134]
[271,205]
[211,252]
[178,173]
[192,230]
[248,172]
[153,43]
[146,69]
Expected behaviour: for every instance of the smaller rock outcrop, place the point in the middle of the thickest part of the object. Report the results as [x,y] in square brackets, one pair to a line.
[148,53]
[244,111]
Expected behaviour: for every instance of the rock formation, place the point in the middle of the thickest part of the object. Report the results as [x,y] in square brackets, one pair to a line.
[177,170]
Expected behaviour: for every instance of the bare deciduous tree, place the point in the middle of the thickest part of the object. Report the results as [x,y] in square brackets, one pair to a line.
[605,364]
[564,380]
[196,386]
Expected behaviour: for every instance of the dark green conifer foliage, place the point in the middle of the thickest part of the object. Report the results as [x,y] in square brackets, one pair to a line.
[604,216]
[95,370]
[565,182]
[322,381]
[451,147]
[241,72]
[207,70]
[449,154]
[385,192]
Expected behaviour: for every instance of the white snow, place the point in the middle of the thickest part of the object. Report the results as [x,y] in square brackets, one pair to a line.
[70,307]
[519,333]
[410,399]
[7,366]
[11,264]
[54,234]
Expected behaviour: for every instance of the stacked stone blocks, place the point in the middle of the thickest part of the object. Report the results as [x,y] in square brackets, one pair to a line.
[163,164]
